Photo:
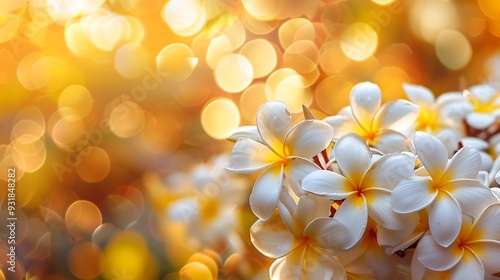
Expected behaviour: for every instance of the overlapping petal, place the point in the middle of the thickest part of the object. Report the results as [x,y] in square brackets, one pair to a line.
[480,120]
[436,257]
[246,131]
[472,196]
[343,124]
[419,95]
[396,115]
[412,194]
[365,101]
[390,141]
[464,164]
[289,266]
[296,170]
[249,156]
[445,219]
[329,184]
[328,233]
[307,139]
[488,253]
[353,213]
[469,268]
[266,191]
[273,123]
[309,208]
[353,156]
[388,171]
[379,209]
[486,225]
[432,152]
[271,237]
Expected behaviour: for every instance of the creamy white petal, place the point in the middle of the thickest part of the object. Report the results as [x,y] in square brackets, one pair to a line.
[290,266]
[436,257]
[432,153]
[418,94]
[412,194]
[296,170]
[470,267]
[274,122]
[316,266]
[476,143]
[287,219]
[342,125]
[488,253]
[353,213]
[472,196]
[464,164]
[395,240]
[396,115]
[271,237]
[310,207]
[487,225]
[480,120]
[379,209]
[249,156]
[445,219]
[390,141]
[482,92]
[266,191]
[365,101]
[417,268]
[486,161]
[383,266]
[328,233]
[308,138]
[247,131]
[353,156]
[328,183]
[388,171]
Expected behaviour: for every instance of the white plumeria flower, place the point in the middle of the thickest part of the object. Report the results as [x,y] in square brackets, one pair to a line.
[474,254]
[451,189]
[378,125]
[365,186]
[300,240]
[485,102]
[284,152]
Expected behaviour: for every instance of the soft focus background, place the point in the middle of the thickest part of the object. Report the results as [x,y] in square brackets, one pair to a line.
[114,114]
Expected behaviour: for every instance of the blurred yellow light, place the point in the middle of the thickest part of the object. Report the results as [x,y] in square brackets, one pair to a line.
[220,117]
[131,60]
[490,8]
[75,99]
[93,164]
[176,62]
[294,93]
[429,17]
[185,17]
[84,260]
[332,94]
[383,2]
[82,218]
[234,73]
[264,9]
[453,49]
[289,31]
[250,101]
[219,47]
[67,131]
[126,119]
[359,41]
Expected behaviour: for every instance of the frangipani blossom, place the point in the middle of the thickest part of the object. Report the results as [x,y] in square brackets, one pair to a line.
[379,125]
[366,187]
[472,255]
[284,152]
[451,189]
[485,102]
[300,240]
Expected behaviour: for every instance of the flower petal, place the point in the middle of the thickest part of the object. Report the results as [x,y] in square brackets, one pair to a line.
[388,171]
[396,115]
[247,131]
[274,122]
[353,213]
[418,94]
[470,267]
[249,156]
[289,266]
[271,237]
[343,124]
[296,170]
[432,152]
[436,257]
[379,209]
[390,141]
[445,219]
[486,225]
[382,265]
[328,233]
[472,196]
[480,120]
[308,138]
[412,194]
[488,253]
[266,191]
[482,92]
[328,183]
[365,101]
[310,207]
[353,156]
[464,164]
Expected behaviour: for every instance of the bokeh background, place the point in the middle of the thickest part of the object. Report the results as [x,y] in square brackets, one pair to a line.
[115,112]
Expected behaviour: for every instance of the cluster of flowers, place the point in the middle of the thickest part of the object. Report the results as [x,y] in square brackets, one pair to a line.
[386,191]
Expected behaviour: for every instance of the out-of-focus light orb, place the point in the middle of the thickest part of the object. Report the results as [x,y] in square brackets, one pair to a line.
[359,41]
[491,8]
[264,10]
[234,73]
[76,40]
[67,130]
[94,164]
[10,27]
[332,94]
[131,60]
[261,55]
[219,47]
[33,71]
[185,17]
[84,260]
[390,79]
[289,31]
[256,26]
[195,270]
[61,11]
[250,101]
[27,129]
[429,17]
[274,80]
[332,59]
[382,2]
[30,153]
[176,62]
[126,119]
[82,218]
[75,99]
[106,32]
[453,49]
[236,33]
[294,92]
[219,117]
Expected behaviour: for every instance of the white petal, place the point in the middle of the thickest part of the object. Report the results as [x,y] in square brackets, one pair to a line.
[272,238]
[432,153]
[445,219]
[486,225]
[417,268]
[342,125]
[296,170]
[365,101]
[353,156]
[328,183]
[249,156]
[388,171]
[247,131]
[436,257]
[354,214]
[310,207]
[464,164]
[287,219]
[472,196]
[396,115]
[328,233]
[379,209]
[266,191]
[274,122]
[482,92]
[412,194]
[383,266]
[489,254]
[390,141]
[486,161]
[476,143]
[418,94]
[290,266]
[468,268]
[480,120]
[308,138]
